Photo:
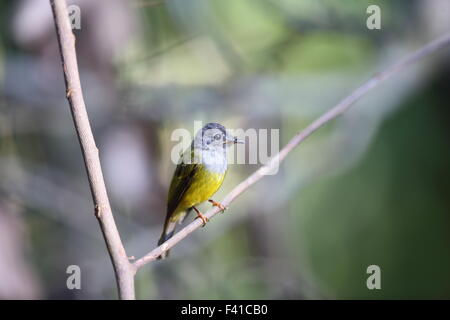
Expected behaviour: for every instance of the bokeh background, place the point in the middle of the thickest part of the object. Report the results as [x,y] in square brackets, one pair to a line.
[372,187]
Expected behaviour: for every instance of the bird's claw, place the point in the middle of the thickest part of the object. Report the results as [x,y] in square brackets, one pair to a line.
[202,217]
[218,204]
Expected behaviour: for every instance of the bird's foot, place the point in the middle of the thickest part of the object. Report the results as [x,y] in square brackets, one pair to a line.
[201,216]
[218,204]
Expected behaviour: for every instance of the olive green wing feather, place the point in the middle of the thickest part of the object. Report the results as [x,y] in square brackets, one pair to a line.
[181,181]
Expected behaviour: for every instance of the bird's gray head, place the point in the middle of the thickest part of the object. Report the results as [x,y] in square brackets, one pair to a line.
[210,145]
[214,137]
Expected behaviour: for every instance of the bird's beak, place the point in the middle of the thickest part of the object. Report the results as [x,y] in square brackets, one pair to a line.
[236,140]
[233,140]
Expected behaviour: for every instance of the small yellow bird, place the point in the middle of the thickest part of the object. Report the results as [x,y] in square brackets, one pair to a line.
[198,175]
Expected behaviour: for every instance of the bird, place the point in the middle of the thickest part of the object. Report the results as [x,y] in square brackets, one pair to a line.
[200,172]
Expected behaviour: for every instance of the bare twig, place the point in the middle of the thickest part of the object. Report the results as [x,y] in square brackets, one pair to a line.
[333,113]
[124,271]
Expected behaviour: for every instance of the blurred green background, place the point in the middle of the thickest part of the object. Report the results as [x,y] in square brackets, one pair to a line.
[372,188]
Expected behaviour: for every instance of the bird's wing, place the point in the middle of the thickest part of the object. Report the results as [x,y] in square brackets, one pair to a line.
[181,181]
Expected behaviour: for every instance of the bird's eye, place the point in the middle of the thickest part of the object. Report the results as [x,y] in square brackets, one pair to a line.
[217,136]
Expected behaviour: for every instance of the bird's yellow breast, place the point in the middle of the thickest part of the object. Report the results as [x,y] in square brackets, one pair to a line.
[204,184]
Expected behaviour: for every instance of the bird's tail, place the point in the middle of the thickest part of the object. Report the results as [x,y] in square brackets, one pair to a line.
[169,230]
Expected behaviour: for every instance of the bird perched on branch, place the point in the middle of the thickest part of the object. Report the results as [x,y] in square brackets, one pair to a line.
[198,175]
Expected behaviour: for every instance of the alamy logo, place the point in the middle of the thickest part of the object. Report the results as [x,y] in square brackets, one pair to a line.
[374,20]
[74,16]
[260,146]
[374,280]
[74,280]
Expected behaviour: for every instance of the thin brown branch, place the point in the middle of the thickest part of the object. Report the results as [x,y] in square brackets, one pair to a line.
[333,113]
[123,269]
